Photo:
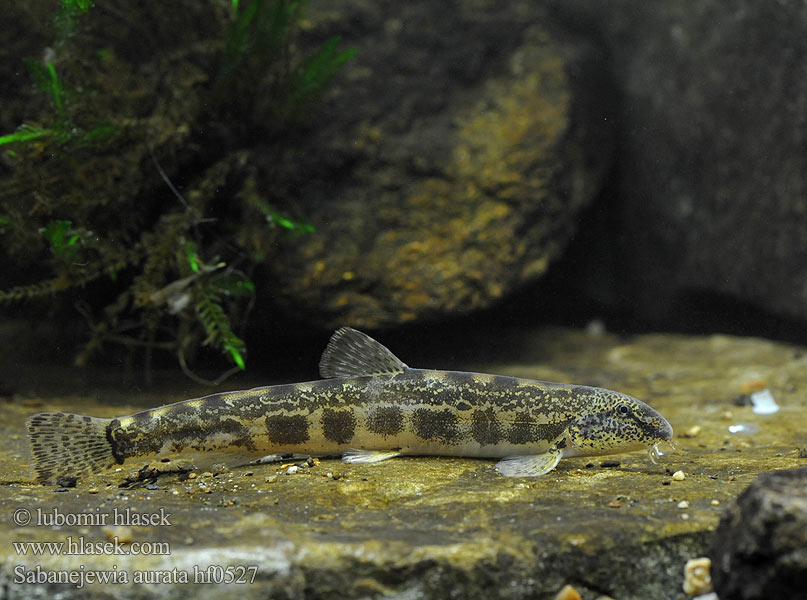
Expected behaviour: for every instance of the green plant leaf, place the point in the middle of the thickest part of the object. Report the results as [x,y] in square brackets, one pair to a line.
[192,256]
[26,133]
[55,88]
[276,218]
[308,81]
[79,6]
[63,241]
[217,325]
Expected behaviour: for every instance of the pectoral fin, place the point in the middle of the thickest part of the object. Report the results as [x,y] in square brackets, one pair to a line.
[531,465]
[368,456]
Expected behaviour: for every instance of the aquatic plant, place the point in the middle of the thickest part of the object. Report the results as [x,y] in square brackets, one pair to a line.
[62,130]
[256,50]
[87,228]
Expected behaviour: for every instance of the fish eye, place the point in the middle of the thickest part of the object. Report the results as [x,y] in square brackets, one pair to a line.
[623,409]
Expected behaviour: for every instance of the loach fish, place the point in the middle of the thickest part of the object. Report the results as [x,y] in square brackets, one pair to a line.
[368,407]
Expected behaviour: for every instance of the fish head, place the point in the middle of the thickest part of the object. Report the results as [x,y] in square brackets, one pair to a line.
[618,423]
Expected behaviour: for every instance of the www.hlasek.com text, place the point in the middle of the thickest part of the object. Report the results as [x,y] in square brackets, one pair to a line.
[78,546]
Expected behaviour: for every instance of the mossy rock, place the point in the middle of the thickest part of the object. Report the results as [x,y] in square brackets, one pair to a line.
[464,156]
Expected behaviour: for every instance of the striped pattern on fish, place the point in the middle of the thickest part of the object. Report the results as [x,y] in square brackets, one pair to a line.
[370,407]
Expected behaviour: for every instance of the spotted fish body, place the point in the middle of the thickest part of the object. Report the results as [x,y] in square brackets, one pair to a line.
[369,407]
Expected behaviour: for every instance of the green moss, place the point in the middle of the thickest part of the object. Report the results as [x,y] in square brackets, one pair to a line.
[84,212]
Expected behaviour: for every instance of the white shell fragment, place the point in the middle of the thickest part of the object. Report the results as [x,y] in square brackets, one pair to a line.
[748,428]
[763,403]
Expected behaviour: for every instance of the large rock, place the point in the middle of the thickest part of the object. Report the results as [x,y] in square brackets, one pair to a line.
[466,140]
[759,550]
[712,179]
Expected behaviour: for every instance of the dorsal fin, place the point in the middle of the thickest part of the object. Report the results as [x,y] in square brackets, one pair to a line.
[351,353]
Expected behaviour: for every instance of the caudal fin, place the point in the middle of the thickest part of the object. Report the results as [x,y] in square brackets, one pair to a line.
[68,444]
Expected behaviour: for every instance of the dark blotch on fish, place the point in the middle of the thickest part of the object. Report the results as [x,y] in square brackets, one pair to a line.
[436,424]
[287,430]
[386,420]
[485,428]
[338,425]
[522,431]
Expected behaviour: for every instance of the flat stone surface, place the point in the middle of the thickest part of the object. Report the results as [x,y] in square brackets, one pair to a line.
[436,527]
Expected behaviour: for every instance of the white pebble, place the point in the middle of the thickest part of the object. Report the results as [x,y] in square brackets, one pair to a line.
[679,476]
[683,504]
[292,469]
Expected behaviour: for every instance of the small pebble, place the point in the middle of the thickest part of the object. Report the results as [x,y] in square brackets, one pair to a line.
[92,490]
[679,476]
[683,504]
[192,475]
[692,431]
[715,502]
[697,576]
[122,532]
[292,469]
[610,463]
[568,593]
[614,504]
[685,517]
[271,479]
[756,385]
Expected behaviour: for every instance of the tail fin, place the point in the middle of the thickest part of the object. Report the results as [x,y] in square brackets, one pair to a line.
[67,444]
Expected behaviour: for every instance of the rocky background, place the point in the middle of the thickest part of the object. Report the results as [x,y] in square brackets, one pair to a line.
[551,162]
[660,152]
